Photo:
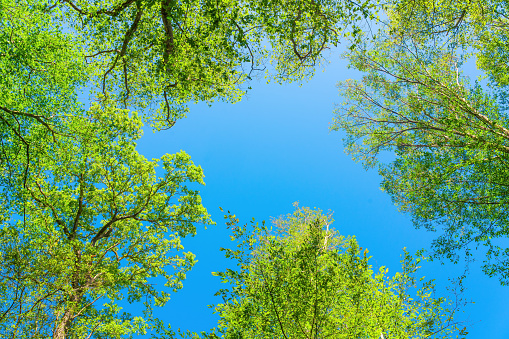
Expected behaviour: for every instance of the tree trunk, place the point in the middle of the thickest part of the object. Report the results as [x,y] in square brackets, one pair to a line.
[63,325]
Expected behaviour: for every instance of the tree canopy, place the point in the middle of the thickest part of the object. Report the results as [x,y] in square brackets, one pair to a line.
[449,132]
[152,56]
[88,224]
[41,70]
[94,226]
[301,279]
[166,53]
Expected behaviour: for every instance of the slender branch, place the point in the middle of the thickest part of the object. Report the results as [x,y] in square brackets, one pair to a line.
[39,118]
[102,52]
[111,12]
[127,38]
[27,148]
[168,30]
[273,303]
[72,235]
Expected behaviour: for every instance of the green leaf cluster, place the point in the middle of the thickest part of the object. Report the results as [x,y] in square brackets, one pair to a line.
[88,224]
[160,55]
[300,279]
[445,132]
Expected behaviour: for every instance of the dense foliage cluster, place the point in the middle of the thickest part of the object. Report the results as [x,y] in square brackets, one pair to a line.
[301,279]
[94,222]
[449,133]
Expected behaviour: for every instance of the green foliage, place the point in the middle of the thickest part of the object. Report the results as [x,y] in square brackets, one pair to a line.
[162,54]
[94,226]
[301,279]
[154,55]
[449,134]
[40,69]
[86,223]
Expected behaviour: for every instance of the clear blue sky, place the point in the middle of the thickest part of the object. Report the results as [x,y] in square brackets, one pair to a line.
[274,148]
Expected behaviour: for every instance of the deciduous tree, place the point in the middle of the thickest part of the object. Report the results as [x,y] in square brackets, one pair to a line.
[41,70]
[93,226]
[169,53]
[301,279]
[447,134]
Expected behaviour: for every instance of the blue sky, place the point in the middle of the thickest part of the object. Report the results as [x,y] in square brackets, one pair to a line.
[274,148]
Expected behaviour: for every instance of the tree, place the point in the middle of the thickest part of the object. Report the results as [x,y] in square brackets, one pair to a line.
[301,279]
[449,135]
[169,53]
[95,225]
[155,56]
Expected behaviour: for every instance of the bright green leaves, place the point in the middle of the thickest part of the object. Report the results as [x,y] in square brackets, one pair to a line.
[97,225]
[450,137]
[86,220]
[170,53]
[41,71]
[300,279]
